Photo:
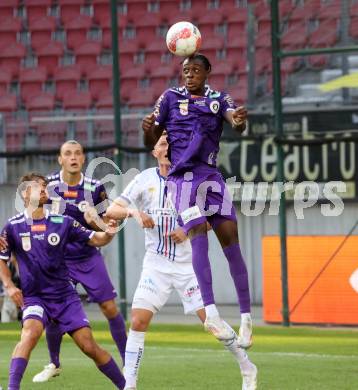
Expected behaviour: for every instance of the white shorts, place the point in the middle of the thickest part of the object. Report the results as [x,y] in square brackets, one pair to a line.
[159,278]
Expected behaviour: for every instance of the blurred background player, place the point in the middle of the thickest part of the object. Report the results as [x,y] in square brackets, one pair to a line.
[9,311]
[193,117]
[167,264]
[86,264]
[39,240]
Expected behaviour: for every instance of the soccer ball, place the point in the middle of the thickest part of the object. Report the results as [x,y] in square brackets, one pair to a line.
[183,39]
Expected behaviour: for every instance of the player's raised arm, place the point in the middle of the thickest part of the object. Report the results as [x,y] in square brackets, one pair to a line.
[237,118]
[152,132]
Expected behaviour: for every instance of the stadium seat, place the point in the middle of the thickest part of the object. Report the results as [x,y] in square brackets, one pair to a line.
[136,72]
[67,78]
[99,80]
[5,79]
[140,98]
[326,34]
[105,102]
[211,45]
[7,103]
[48,56]
[37,9]
[101,11]
[76,30]
[31,81]
[74,100]
[353,26]
[9,28]
[306,12]
[263,60]
[330,11]
[11,55]
[239,92]
[41,31]
[87,53]
[15,132]
[52,134]
[70,9]
[294,38]
[41,102]
[8,7]
[317,61]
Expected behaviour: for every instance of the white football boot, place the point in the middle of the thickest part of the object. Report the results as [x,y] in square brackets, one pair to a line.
[47,373]
[245,333]
[219,328]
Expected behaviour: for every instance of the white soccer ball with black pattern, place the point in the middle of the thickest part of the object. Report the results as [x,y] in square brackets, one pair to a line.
[183,39]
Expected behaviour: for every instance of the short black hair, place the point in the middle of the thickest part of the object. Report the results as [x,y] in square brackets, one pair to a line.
[202,58]
[71,142]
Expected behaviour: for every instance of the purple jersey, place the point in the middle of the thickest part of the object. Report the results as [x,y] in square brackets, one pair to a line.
[194,125]
[39,247]
[72,201]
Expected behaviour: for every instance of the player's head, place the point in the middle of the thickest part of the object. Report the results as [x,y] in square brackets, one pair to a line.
[71,157]
[160,150]
[33,189]
[195,71]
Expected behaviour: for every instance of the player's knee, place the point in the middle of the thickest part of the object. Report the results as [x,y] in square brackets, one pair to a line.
[89,348]
[109,309]
[198,230]
[30,336]
[138,323]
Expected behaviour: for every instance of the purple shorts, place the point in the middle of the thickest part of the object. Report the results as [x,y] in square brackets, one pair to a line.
[68,312]
[93,276]
[200,197]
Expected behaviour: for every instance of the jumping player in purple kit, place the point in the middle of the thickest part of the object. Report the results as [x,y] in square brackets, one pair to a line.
[70,193]
[38,240]
[193,117]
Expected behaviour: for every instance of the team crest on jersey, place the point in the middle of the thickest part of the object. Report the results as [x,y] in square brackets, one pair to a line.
[82,206]
[214,106]
[53,239]
[184,106]
[26,243]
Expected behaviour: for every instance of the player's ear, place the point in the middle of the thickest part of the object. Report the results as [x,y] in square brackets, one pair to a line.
[154,153]
[59,159]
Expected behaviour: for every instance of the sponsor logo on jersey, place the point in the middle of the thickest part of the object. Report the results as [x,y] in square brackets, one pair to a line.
[26,234]
[89,187]
[184,106]
[39,236]
[53,239]
[214,106]
[200,103]
[38,228]
[26,243]
[214,94]
[56,219]
[70,194]
[191,291]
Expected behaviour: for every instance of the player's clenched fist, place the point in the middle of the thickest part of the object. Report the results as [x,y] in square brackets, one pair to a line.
[148,122]
[239,116]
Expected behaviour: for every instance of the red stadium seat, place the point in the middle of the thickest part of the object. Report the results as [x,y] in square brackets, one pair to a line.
[99,80]
[8,103]
[318,61]
[239,92]
[37,9]
[306,12]
[101,11]
[48,56]
[142,98]
[76,30]
[294,38]
[105,101]
[325,36]
[70,9]
[41,31]
[15,133]
[136,72]
[32,80]
[41,102]
[7,8]
[11,56]
[9,28]
[329,11]
[87,53]
[353,26]
[5,79]
[263,60]
[74,100]
[67,78]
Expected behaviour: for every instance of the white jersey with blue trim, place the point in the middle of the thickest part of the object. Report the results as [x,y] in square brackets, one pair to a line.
[147,193]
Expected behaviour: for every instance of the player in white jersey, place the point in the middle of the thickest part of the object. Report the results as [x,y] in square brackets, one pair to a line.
[167,264]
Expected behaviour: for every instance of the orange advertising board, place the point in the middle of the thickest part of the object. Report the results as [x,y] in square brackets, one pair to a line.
[320,291]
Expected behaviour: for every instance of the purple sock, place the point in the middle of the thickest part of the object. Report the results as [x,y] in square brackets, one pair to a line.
[119,333]
[17,369]
[239,275]
[54,339]
[201,265]
[111,371]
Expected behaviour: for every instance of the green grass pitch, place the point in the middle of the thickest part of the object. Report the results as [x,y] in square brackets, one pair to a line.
[185,357]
